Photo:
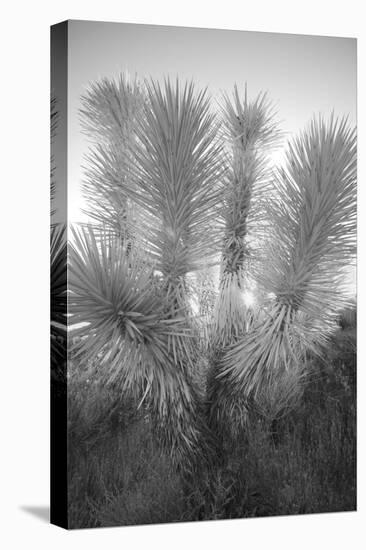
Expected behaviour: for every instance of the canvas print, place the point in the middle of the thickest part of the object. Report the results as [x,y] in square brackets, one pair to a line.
[203,274]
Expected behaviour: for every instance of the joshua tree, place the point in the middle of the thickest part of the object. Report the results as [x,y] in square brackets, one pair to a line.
[163,171]
[311,215]
[137,310]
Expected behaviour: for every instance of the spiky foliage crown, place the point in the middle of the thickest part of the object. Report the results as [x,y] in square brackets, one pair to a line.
[173,176]
[54,119]
[108,117]
[58,267]
[312,213]
[177,174]
[58,305]
[250,132]
[126,332]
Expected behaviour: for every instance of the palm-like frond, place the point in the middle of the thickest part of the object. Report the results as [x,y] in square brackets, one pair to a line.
[250,132]
[249,124]
[54,119]
[174,176]
[109,108]
[313,220]
[312,216]
[127,332]
[58,254]
[58,269]
[118,297]
[54,116]
[108,117]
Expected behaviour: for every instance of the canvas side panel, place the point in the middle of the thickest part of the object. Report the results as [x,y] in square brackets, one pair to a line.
[58,272]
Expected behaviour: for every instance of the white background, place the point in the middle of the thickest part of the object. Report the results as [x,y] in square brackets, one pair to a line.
[24,352]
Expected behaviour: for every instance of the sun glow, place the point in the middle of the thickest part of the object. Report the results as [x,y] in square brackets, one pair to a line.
[194,306]
[248,298]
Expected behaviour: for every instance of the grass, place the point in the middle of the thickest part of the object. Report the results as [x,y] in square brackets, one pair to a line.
[303,463]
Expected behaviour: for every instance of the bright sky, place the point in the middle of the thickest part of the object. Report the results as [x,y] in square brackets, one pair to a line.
[302,74]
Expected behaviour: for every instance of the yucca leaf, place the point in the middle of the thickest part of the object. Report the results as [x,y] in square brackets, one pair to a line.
[54,119]
[174,176]
[126,331]
[312,239]
[58,284]
[108,117]
[250,132]
[313,220]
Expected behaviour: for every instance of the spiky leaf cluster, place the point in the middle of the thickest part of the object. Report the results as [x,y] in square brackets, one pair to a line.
[58,268]
[58,283]
[54,119]
[130,338]
[312,217]
[174,177]
[108,117]
[250,132]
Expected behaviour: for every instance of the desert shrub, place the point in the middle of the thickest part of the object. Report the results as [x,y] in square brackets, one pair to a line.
[122,480]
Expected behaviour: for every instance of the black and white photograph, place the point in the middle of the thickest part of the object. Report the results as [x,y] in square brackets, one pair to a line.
[203,274]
